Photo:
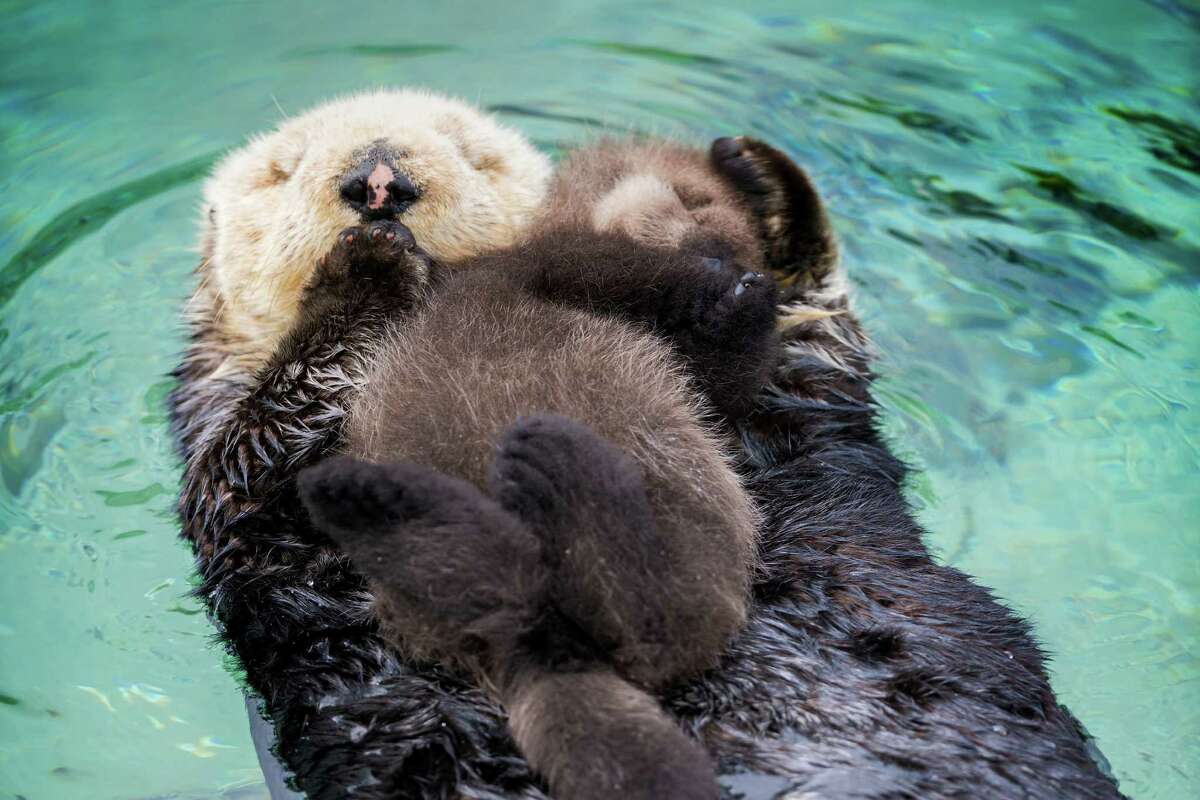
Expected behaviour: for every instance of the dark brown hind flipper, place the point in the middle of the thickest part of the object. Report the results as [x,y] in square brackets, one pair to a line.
[585,498]
[800,244]
[454,570]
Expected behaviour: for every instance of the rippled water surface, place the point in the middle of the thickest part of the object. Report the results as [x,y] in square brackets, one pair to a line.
[1016,184]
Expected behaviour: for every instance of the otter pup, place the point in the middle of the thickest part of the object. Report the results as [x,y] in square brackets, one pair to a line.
[544,501]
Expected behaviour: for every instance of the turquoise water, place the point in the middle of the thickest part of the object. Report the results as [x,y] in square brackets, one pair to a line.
[1016,184]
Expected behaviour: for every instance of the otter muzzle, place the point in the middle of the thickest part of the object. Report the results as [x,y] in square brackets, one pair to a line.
[377,190]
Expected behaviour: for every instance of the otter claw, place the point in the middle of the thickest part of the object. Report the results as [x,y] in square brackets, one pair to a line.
[746,281]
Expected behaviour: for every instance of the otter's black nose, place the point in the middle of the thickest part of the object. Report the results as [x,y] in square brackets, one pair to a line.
[376,190]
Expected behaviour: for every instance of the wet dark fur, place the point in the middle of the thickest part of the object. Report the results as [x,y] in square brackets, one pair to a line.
[865,671]
[602,536]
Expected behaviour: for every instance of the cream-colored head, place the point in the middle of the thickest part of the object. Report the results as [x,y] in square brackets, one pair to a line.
[274,207]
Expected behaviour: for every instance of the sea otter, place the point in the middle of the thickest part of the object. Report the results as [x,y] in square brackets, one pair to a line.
[864,669]
[547,505]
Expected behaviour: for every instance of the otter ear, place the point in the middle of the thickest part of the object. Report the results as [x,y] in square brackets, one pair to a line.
[798,241]
[285,150]
[265,161]
[476,146]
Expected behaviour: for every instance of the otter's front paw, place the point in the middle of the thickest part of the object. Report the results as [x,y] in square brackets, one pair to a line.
[733,304]
[727,333]
[382,254]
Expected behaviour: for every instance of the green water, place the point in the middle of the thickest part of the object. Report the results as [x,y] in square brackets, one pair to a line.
[1016,185]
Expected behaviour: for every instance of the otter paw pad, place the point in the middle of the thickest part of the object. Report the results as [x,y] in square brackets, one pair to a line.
[549,468]
[746,164]
[747,301]
[382,252]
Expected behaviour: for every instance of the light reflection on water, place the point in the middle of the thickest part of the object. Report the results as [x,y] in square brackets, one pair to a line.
[1015,184]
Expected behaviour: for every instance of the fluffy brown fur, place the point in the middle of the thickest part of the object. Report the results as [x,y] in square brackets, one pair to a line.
[593,539]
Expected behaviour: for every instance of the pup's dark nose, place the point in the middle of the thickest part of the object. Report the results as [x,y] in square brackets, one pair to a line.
[375,189]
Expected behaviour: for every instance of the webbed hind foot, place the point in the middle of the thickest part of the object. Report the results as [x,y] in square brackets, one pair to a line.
[799,243]
[587,500]
[458,569]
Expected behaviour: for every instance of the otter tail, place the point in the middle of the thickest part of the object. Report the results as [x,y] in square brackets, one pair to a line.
[595,736]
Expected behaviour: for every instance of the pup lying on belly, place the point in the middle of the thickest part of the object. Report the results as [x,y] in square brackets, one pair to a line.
[545,501]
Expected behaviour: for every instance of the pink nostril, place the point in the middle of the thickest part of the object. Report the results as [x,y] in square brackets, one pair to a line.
[377,185]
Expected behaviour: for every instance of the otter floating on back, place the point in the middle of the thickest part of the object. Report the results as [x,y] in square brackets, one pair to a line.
[864,670]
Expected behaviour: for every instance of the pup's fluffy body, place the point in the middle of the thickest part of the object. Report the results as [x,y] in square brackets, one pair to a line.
[865,670]
[614,534]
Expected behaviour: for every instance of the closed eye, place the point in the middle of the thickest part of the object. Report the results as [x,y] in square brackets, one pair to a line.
[691,199]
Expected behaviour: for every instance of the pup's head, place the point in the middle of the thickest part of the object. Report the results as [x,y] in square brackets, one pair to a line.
[658,192]
[739,198]
[459,180]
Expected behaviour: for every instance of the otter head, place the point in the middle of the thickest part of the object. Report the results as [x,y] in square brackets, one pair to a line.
[740,199]
[460,181]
